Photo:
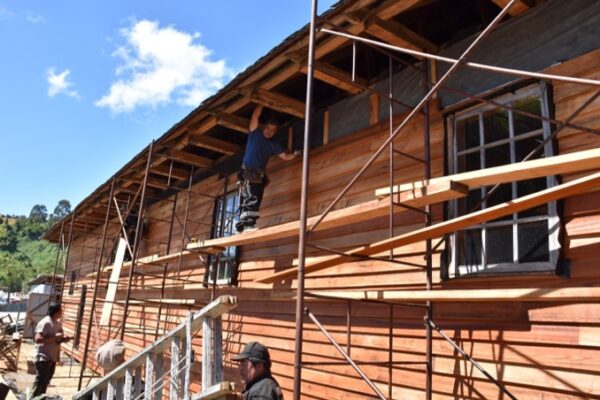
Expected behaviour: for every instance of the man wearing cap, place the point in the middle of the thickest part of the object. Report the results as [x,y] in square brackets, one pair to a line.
[255,370]
[252,178]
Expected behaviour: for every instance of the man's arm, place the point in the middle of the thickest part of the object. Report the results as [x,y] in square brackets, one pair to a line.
[254,121]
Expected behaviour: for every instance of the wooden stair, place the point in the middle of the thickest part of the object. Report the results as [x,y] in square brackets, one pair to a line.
[147,367]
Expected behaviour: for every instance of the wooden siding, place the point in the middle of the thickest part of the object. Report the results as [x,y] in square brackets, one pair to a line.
[539,350]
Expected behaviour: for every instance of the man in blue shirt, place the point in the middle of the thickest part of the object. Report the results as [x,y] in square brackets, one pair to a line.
[260,147]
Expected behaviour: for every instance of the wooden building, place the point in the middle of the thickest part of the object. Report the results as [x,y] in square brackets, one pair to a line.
[513,270]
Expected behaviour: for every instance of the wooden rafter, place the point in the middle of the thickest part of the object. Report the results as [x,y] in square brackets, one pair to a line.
[398,34]
[166,170]
[191,159]
[232,121]
[331,75]
[518,8]
[276,101]
[571,188]
[214,144]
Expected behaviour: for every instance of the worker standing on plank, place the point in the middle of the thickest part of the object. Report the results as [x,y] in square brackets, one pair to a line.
[255,371]
[48,335]
[252,178]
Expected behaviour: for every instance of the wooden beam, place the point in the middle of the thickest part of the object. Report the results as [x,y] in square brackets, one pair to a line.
[558,294]
[210,143]
[191,159]
[361,212]
[276,101]
[217,392]
[397,34]
[204,125]
[390,8]
[330,74]
[113,283]
[518,8]
[233,122]
[555,193]
[580,161]
[165,170]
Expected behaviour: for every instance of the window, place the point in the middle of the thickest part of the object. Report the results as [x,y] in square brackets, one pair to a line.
[490,136]
[225,216]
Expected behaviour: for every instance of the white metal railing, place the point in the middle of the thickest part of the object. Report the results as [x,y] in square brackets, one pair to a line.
[125,382]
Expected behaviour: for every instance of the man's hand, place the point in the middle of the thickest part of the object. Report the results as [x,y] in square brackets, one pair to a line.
[60,363]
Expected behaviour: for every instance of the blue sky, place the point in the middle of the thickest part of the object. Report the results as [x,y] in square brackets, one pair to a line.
[84,85]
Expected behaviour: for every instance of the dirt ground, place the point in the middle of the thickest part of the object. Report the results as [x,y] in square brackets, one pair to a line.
[65,378]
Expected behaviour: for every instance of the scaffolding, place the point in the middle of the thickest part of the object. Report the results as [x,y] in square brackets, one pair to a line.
[118,211]
[318,24]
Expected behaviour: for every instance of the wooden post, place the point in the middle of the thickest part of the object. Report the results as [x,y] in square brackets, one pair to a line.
[188,355]
[137,384]
[149,376]
[158,366]
[218,350]
[128,385]
[175,385]
[111,390]
[207,342]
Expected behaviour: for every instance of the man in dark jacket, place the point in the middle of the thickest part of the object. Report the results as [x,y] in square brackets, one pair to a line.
[255,370]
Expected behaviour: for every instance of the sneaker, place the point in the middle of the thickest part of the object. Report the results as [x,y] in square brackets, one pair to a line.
[250,229]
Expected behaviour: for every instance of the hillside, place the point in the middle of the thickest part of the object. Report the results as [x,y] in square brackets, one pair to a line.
[23,255]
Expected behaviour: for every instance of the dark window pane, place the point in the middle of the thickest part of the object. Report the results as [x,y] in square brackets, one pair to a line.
[497,155]
[469,247]
[502,194]
[467,133]
[525,146]
[469,162]
[533,242]
[532,186]
[495,125]
[523,123]
[499,244]
[467,204]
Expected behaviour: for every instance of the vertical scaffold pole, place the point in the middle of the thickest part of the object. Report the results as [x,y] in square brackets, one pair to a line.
[98,272]
[164,278]
[66,262]
[58,252]
[303,208]
[428,270]
[138,236]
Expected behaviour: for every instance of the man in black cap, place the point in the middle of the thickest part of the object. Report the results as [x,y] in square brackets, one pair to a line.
[255,370]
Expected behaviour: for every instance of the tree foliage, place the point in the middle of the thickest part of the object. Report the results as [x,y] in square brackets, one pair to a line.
[39,213]
[23,255]
[62,209]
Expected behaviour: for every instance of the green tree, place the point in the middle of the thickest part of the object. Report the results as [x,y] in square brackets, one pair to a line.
[62,209]
[15,271]
[8,237]
[39,213]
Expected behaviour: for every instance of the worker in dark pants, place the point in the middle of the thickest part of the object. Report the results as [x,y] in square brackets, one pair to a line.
[252,178]
[48,336]
[255,371]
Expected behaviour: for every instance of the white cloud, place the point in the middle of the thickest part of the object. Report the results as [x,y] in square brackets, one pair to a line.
[58,83]
[36,19]
[162,65]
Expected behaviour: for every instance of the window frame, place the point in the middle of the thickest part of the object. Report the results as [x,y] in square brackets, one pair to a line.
[541,91]
[216,226]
